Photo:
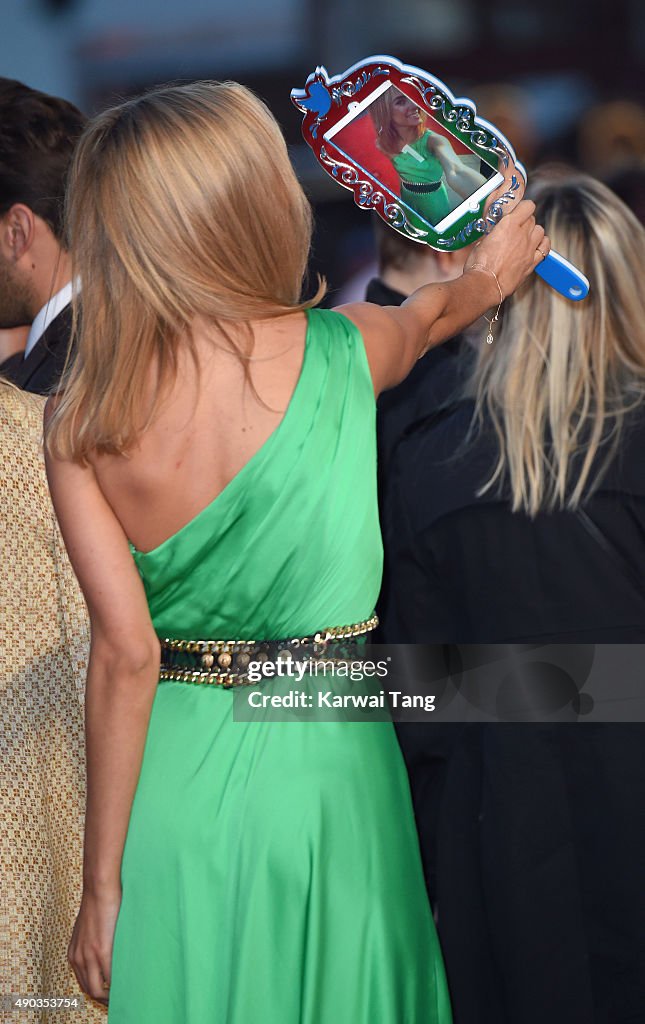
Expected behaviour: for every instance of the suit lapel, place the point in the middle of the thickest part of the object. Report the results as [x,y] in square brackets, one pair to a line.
[51,346]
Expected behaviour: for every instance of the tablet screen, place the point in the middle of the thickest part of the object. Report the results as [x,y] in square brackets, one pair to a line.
[420,162]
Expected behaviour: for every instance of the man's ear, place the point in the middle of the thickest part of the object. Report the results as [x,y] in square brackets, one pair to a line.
[17,231]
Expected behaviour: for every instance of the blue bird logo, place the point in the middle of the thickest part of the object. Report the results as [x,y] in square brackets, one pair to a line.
[314,98]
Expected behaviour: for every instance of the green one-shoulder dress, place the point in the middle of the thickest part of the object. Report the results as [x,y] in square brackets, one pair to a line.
[419,168]
[271,872]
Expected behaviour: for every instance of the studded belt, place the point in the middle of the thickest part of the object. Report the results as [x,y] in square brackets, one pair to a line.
[225,662]
[423,188]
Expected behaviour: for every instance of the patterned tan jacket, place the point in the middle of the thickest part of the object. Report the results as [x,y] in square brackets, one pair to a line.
[44,642]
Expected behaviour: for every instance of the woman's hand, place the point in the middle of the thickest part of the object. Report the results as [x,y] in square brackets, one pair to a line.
[512,250]
[90,948]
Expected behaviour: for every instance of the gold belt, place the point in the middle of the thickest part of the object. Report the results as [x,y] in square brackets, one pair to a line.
[226,662]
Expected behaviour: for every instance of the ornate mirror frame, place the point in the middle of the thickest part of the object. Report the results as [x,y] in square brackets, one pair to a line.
[328,104]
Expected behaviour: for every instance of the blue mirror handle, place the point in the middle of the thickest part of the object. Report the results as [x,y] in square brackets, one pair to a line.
[563,276]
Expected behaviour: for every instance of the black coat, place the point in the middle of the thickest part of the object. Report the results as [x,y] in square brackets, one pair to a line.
[533,836]
[41,370]
[468,570]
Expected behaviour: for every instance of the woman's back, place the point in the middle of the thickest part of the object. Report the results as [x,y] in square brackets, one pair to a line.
[240,529]
[216,416]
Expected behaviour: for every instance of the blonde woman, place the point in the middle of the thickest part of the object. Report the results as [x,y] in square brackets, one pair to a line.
[532,532]
[44,643]
[552,415]
[424,160]
[212,463]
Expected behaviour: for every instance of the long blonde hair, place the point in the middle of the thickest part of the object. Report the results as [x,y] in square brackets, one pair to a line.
[181,203]
[388,138]
[562,376]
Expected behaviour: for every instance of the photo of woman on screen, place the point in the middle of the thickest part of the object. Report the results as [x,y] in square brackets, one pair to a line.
[425,161]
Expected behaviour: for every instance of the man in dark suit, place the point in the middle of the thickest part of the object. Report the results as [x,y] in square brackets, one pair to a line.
[37,138]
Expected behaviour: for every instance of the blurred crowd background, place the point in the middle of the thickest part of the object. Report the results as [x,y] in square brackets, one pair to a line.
[562,79]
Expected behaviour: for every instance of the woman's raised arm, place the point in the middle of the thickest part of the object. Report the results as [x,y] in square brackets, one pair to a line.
[461,178]
[395,337]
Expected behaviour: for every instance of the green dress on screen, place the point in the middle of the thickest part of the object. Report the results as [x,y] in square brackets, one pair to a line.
[271,872]
[416,165]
